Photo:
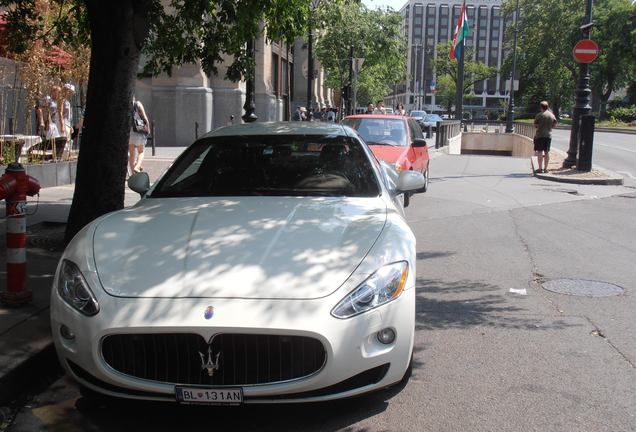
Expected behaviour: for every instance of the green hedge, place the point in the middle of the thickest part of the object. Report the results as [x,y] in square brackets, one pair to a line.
[623,114]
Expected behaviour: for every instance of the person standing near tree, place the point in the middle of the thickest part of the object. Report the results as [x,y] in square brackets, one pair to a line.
[138,136]
[543,123]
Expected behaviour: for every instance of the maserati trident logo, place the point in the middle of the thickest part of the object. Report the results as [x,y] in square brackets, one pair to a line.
[208,364]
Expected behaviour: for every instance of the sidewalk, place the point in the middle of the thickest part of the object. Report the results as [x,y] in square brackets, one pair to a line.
[26,351]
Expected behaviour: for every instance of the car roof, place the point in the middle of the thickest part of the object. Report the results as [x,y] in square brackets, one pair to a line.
[377,116]
[279,128]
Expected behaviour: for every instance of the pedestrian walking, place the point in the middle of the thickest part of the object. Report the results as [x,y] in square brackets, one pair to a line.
[543,123]
[370,108]
[331,115]
[399,110]
[138,136]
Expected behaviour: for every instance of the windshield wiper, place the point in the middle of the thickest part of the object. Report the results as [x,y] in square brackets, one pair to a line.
[380,143]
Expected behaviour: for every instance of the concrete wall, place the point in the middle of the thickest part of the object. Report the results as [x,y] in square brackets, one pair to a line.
[514,144]
[176,103]
[53,174]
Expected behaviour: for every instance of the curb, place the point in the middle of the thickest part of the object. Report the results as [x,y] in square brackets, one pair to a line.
[613,181]
[603,129]
[608,178]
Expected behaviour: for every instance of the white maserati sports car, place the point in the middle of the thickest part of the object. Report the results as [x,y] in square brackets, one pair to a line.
[270,263]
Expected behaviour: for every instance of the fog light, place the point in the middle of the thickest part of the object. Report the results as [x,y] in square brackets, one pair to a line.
[66,332]
[386,336]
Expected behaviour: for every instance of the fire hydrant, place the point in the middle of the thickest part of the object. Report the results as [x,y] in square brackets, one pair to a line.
[15,185]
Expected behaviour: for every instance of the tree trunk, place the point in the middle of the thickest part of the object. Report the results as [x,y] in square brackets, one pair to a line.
[118,30]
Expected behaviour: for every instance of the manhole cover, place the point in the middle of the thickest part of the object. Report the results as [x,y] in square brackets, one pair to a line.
[580,287]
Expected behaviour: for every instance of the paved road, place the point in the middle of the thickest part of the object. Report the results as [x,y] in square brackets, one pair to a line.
[614,151]
[494,350]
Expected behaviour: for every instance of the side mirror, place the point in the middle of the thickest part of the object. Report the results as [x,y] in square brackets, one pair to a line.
[410,181]
[139,182]
[419,142]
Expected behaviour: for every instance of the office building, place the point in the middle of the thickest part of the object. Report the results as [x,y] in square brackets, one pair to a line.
[428,23]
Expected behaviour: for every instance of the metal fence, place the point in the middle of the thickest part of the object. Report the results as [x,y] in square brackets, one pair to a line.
[525,129]
[446,130]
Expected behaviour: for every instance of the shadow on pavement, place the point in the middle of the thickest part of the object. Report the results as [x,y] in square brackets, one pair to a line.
[473,304]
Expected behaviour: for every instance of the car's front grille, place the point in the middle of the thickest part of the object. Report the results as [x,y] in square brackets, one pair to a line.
[243,359]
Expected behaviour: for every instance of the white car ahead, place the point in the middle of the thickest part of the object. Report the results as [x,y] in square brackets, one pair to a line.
[270,263]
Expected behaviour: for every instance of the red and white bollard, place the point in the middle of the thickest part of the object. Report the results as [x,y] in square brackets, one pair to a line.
[15,185]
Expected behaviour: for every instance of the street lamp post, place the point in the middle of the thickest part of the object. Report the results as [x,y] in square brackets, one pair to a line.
[510,117]
[249,107]
[416,46]
[583,94]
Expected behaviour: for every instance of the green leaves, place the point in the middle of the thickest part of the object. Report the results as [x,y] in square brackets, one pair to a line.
[548,31]
[375,36]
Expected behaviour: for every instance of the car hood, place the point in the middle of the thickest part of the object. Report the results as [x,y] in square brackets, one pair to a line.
[245,247]
[390,154]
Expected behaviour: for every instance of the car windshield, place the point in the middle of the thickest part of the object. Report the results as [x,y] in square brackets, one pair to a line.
[432,118]
[418,113]
[378,131]
[276,165]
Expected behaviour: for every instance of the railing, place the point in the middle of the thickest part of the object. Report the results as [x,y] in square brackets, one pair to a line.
[446,130]
[525,129]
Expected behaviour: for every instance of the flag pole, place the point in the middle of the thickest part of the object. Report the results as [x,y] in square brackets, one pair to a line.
[459,98]
[459,95]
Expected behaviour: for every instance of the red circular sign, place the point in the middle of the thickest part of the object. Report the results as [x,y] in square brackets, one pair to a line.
[585,51]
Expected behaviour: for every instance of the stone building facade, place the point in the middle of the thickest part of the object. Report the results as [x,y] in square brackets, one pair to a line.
[191,103]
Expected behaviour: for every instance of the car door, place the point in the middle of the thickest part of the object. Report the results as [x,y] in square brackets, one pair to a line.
[419,154]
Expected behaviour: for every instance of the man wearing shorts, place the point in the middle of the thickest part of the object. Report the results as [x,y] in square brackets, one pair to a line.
[543,123]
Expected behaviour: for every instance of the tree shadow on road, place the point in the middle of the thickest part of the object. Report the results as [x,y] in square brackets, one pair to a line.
[463,304]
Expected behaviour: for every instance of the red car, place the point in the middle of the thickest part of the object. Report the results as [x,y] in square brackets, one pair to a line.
[395,139]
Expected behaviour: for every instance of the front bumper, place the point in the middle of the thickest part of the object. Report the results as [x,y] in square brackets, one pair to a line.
[356,362]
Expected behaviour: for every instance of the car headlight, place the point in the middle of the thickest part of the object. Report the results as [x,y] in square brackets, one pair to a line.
[73,288]
[381,287]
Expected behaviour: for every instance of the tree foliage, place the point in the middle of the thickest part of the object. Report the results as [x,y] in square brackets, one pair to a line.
[375,36]
[615,33]
[474,72]
[170,33]
[548,31]
[446,92]
[446,71]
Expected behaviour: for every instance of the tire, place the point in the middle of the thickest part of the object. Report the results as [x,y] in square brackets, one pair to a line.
[425,188]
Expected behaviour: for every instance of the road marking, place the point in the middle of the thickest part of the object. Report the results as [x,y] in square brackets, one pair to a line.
[617,148]
[627,174]
[521,291]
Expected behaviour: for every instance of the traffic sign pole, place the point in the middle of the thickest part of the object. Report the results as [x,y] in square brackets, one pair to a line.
[583,94]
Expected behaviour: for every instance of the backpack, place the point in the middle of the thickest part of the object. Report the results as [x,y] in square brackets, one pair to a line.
[138,123]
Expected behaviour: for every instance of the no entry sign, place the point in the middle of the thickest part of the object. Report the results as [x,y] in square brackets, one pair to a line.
[585,51]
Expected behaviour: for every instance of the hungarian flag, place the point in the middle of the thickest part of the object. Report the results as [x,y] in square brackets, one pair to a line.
[461,32]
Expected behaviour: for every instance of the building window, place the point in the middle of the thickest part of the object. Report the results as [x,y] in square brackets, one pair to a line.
[443,24]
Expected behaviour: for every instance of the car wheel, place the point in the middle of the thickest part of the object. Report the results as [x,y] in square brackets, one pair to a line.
[425,187]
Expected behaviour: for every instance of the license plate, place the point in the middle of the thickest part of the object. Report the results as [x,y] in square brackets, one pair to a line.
[209,395]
